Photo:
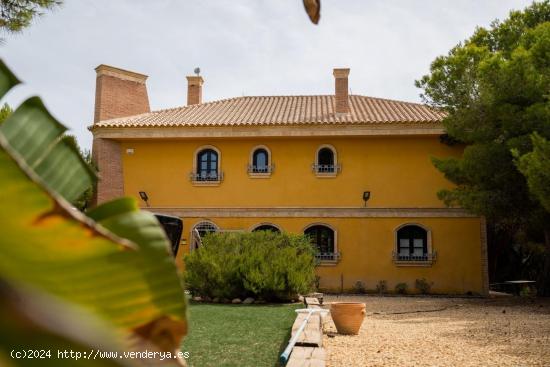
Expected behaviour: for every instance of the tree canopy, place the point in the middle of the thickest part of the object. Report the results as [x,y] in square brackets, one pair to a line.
[495,88]
[535,166]
[16,15]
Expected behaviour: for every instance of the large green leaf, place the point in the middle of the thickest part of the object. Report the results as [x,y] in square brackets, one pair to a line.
[118,268]
[7,79]
[40,330]
[35,135]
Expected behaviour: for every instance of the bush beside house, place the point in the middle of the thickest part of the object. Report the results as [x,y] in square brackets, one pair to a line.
[267,265]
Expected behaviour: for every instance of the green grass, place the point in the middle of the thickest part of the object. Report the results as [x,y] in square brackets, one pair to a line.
[237,335]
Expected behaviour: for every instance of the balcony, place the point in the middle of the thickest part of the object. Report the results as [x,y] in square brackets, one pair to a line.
[414,260]
[326,169]
[260,170]
[327,257]
[202,178]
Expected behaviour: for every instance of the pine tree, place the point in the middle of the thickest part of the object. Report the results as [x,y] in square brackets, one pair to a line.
[495,87]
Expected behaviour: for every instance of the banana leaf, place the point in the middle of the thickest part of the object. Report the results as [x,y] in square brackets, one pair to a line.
[115,264]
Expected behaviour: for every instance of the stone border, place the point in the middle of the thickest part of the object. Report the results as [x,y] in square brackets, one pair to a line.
[309,351]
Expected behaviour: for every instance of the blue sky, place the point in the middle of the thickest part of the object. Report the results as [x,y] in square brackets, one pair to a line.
[243,47]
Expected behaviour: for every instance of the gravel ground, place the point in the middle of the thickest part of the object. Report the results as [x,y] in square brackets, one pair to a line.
[467,332]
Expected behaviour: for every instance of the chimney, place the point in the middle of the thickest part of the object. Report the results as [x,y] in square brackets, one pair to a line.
[194,89]
[119,93]
[341,93]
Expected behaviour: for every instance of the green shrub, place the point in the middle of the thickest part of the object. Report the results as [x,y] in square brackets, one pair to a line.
[382,287]
[272,266]
[401,288]
[423,286]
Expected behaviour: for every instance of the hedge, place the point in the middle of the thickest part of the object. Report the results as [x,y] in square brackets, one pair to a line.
[264,264]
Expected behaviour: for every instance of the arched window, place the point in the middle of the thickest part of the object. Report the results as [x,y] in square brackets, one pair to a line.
[266,227]
[207,165]
[326,161]
[200,230]
[412,243]
[322,237]
[326,158]
[260,162]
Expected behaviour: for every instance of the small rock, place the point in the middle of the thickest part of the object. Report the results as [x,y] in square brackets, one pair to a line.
[236,301]
[216,300]
[206,299]
[248,301]
[197,299]
[225,300]
[301,298]
[259,301]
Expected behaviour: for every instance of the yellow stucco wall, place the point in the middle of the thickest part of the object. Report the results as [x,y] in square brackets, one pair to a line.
[397,170]
[366,245]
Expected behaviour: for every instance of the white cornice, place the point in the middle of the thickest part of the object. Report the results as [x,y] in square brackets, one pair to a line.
[295,212]
[120,133]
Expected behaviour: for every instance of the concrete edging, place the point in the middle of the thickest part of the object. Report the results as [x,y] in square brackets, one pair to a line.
[309,351]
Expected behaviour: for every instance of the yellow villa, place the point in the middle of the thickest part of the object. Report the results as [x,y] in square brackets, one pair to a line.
[351,171]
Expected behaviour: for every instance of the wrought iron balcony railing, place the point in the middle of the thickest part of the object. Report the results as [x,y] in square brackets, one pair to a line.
[206,177]
[260,169]
[326,168]
[427,257]
[328,256]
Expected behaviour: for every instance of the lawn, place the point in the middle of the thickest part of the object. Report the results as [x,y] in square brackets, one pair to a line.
[237,335]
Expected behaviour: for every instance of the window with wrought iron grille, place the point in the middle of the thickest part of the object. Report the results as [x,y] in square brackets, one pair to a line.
[260,162]
[266,227]
[413,245]
[200,230]
[207,167]
[323,238]
[326,161]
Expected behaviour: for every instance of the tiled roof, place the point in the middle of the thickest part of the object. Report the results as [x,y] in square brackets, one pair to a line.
[282,110]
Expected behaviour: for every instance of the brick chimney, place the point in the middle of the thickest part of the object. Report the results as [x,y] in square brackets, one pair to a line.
[194,89]
[119,93]
[341,89]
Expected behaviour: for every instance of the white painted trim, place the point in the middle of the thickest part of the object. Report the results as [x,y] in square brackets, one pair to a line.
[220,174]
[334,230]
[312,212]
[251,162]
[335,157]
[428,245]
[223,132]
[194,226]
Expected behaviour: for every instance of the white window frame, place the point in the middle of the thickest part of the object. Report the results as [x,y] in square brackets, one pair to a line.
[429,249]
[193,235]
[336,252]
[253,228]
[337,166]
[251,163]
[194,172]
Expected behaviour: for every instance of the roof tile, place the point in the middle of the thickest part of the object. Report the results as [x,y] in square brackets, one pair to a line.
[282,110]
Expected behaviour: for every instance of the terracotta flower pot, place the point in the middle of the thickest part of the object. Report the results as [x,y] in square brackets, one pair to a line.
[348,316]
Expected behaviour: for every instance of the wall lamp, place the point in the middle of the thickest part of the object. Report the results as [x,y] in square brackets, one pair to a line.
[366,197]
[144,197]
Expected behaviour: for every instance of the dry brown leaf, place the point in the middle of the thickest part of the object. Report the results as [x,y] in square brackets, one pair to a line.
[313,10]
